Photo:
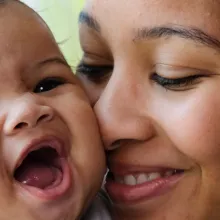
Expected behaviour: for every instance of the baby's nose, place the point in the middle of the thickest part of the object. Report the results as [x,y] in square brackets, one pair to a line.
[26,113]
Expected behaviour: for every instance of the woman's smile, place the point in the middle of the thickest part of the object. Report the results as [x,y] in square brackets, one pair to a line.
[140,183]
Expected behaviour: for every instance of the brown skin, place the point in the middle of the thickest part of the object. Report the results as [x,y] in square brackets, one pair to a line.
[171,126]
[29,55]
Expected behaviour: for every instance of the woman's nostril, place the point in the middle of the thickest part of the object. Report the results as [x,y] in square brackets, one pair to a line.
[43,118]
[21,125]
[119,143]
[115,145]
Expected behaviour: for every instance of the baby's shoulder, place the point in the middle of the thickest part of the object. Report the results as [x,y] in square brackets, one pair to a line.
[100,208]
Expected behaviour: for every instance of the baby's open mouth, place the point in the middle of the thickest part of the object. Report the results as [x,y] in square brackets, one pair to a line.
[43,169]
[40,169]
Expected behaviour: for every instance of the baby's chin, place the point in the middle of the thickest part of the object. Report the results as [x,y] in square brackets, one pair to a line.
[22,211]
[71,207]
[11,208]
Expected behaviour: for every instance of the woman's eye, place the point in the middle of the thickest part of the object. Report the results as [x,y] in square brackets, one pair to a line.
[96,74]
[177,84]
[48,84]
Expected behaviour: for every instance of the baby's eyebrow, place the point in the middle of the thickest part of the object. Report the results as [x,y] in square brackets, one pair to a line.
[89,20]
[53,60]
[189,33]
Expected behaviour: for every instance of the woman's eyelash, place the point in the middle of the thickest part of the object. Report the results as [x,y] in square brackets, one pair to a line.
[89,69]
[177,82]
[94,73]
[98,74]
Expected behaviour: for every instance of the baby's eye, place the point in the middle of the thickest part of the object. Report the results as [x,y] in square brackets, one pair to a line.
[48,84]
[95,74]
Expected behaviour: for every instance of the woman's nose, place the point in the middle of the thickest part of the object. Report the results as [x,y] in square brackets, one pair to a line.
[26,113]
[121,112]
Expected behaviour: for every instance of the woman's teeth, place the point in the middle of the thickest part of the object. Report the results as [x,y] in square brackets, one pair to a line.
[141,178]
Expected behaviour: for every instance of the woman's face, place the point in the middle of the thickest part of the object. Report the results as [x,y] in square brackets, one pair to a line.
[152,71]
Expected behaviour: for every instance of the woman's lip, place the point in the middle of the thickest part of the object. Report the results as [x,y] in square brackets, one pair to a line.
[125,194]
[55,192]
[119,169]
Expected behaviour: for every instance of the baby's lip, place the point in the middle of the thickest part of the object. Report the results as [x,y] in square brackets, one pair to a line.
[38,143]
[42,169]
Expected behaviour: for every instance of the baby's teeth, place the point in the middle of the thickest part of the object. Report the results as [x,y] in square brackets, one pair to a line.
[153,176]
[130,180]
[142,178]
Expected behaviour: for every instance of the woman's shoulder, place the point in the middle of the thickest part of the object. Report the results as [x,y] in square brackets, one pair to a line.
[100,208]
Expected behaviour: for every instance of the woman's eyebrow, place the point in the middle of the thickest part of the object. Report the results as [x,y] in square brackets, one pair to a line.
[89,20]
[189,33]
[193,34]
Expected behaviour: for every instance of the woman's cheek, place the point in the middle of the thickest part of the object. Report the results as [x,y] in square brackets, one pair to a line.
[193,125]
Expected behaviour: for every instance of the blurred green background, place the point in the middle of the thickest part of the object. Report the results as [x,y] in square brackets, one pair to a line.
[61,16]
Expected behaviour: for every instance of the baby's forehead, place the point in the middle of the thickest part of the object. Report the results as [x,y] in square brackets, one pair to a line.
[23,29]
[14,12]
[25,40]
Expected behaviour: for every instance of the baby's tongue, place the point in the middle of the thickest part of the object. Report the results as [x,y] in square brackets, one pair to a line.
[37,174]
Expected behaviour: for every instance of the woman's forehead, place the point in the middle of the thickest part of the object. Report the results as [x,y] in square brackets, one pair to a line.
[129,14]
[143,4]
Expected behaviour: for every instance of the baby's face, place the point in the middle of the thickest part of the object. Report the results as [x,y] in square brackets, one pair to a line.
[51,156]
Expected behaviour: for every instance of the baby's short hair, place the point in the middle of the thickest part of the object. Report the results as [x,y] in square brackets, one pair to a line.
[7,1]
